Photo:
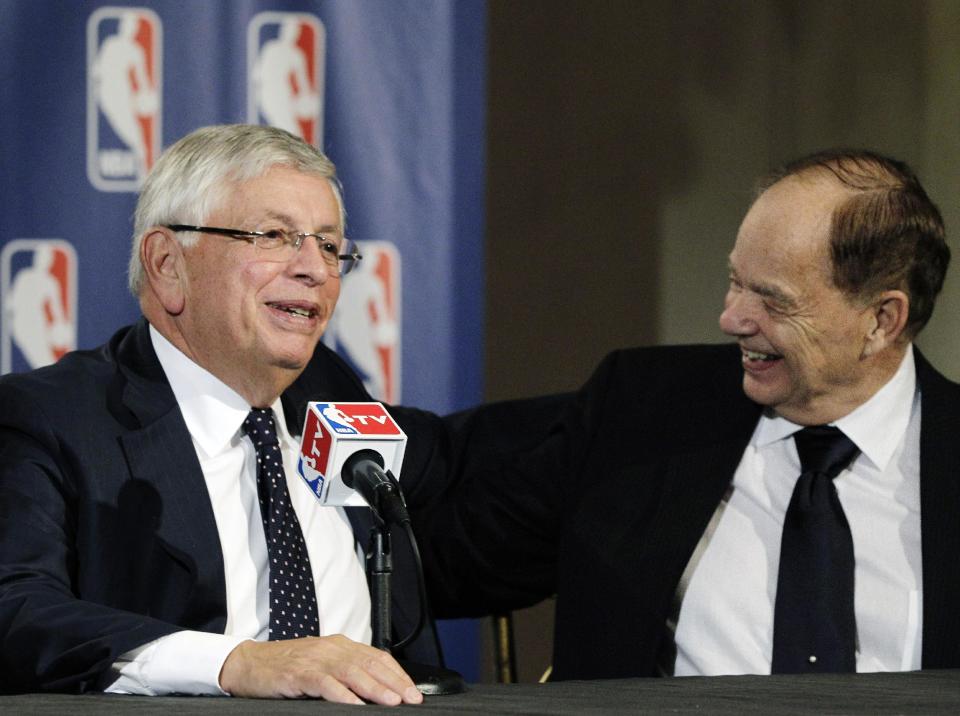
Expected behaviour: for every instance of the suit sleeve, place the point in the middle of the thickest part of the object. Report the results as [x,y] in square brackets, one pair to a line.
[51,638]
[489,511]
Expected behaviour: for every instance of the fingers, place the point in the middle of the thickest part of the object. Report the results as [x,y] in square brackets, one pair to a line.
[388,673]
[333,668]
[332,690]
[370,673]
[352,682]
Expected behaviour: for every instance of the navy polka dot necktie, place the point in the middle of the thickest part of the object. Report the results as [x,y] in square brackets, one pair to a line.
[293,600]
[814,626]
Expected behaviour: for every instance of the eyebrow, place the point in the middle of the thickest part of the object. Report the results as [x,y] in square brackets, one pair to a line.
[765,290]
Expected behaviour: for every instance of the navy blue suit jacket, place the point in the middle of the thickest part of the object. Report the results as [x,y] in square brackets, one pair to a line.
[107,535]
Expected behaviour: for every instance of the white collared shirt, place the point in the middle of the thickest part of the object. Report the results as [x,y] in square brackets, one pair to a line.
[189,661]
[726,617]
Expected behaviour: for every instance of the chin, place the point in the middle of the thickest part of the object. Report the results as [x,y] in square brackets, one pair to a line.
[765,395]
[292,366]
[294,355]
[291,362]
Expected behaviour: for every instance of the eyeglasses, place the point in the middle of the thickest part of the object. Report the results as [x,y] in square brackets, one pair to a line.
[340,253]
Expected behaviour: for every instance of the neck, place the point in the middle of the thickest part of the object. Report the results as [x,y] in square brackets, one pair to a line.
[259,386]
[260,392]
[831,405]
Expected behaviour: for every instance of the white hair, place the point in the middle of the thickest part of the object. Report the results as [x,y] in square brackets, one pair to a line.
[194,176]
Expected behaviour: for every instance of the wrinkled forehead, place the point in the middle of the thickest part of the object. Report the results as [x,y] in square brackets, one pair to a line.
[233,191]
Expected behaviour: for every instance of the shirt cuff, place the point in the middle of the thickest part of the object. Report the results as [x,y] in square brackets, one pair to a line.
[185,662]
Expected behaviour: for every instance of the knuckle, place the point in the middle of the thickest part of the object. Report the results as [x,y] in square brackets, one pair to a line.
[326,680]
[352,672]
[375,660]
[288,683]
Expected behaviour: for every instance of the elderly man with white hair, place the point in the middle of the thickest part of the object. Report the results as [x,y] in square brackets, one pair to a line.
[149,542]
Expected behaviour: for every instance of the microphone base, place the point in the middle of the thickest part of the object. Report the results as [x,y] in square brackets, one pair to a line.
[434,680]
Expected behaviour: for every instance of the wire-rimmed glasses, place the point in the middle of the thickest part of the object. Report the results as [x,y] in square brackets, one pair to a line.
[340,253]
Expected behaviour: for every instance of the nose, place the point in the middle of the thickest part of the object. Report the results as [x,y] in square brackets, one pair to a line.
[309,266]
[737,318]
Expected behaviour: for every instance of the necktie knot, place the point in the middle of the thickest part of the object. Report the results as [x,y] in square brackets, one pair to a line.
[824,449]
[260,428]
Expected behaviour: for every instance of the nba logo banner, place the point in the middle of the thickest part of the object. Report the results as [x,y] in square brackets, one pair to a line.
[123,96]
[365,327]
[332,432]
[38,291]
[285,65]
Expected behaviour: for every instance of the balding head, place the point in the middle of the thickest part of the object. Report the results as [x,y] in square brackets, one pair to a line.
[885,234]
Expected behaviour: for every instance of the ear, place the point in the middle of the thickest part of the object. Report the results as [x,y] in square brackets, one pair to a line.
[888,319]
[161,256]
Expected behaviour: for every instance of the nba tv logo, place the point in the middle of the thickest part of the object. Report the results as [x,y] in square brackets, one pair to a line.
[124,94]
[365,327]
[285,65]
[38,293]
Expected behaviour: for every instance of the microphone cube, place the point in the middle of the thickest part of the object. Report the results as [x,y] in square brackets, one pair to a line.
[332,432]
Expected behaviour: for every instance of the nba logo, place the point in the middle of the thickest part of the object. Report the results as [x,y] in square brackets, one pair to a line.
[338,421]
[365,327]
[38,286]
[285,56]
[123,96]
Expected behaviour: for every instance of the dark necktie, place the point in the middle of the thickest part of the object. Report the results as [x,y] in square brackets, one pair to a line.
[814,629]
[293,601]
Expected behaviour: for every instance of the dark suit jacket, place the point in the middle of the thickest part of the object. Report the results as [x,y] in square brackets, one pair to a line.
[606,510]
[107,535]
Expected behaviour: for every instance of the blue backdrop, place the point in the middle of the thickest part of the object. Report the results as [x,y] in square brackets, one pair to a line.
[392,91]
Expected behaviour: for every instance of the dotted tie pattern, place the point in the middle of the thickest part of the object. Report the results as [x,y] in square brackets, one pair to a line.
[293,600]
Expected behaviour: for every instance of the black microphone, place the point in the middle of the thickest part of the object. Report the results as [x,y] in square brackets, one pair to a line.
[363,472]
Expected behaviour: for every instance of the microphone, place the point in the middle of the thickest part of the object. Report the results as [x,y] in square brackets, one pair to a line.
[363,471]
[343,453]
[333,433]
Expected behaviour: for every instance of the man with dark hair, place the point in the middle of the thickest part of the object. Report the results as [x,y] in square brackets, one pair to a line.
[787,504]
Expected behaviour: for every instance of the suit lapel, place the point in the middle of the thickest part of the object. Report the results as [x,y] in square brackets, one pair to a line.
[159,451]
[939,520]
[649,547]
[694,483]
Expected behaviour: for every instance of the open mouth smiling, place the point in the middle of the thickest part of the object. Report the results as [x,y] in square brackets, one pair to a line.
[751,356]
[295,309]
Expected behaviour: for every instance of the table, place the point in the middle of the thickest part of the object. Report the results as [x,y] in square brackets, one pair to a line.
[914,693]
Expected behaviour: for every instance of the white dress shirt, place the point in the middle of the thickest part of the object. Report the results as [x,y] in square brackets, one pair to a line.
[726,616]
[190,661]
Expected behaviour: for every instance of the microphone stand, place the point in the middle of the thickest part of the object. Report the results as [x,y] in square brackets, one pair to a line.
[429,680]
[379,571]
